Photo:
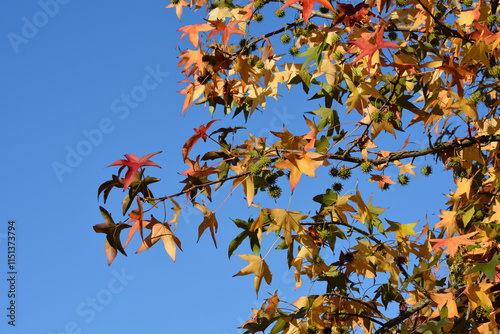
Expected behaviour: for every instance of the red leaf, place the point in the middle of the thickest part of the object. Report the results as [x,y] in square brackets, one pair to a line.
[134,163]
[201,132]
[369,48]
[308,5]
[227,30]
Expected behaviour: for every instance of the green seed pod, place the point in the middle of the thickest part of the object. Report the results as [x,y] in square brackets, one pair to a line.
[400,3]
[390,117]
[366,167]
[335,39]
[294,51]
[377,117]
[403,180]
[426,170]
[258,4]
[258,17]
[264,161]
[279,12]
[256,169]
[260,65]
[344,173]
[274,191]
[455,162]
[285,38]
[491,19]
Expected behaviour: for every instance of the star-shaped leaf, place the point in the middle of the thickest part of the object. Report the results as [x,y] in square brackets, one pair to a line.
[134,163]
[258,267]
[112,230]
[452,244]
[193,31]
[489,269]
[227,30]
[209,221]
[307,6]
[160,231]
[369,49]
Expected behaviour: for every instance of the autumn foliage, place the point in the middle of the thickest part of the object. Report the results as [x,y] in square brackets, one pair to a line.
[379,69]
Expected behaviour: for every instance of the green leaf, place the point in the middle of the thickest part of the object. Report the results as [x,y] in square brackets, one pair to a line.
[236,243]
[326,199]
[279,326]
[468,216]
[487,268]
[303,77]
[315,53]
[389,294]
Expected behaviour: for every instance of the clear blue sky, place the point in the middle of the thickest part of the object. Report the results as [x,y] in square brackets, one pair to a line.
[82,83]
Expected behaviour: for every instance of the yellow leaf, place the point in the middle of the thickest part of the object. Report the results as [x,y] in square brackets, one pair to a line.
[258,267]
[163,232]
[445,299]
[209,221]
[287,221]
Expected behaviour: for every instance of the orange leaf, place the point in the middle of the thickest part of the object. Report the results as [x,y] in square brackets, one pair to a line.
[193,31]
[227,30]
[453,243]
[307,6]
[209,221]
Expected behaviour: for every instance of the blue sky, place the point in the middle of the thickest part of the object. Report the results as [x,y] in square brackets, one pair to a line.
[82,84]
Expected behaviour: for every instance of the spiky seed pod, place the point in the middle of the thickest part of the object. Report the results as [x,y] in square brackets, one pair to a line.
[344,173]
[426,170]
[285,38]
[212,61]
[243,42]
[386,186]
[256,169]
[175,2]
[318,260]
[335,39]
[323,9]
[390,117]
[297,32]
[337,187]
[455,162]
[393,35]
[403,180]
[260,65]
[258,4]
[334,172]
[468,3]
[498,18]
[264,161]
[294,51]
[279,12]
[475,98]
[324,234]
[280,159]
[258,17]
[377,116]
[366,167]
[461,173]
[495,71]
[401,3]
[274,191]
[311,26]
[251,62]
[338,56]
[205,58]
[491,19]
